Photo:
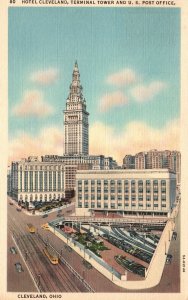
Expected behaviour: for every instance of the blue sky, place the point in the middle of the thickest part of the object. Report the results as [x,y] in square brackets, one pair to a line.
[130,71]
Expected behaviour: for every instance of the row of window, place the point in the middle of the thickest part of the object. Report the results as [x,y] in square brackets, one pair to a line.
[120,182]
[112,197]
[112,205]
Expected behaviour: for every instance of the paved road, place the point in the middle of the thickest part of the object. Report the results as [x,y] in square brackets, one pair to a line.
[96,280]
[49,278]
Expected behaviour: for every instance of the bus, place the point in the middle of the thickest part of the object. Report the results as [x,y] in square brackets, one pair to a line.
[31,228]
[50,253]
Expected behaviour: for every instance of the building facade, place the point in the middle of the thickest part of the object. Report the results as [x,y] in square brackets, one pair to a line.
[131,192]
[155,159]
[33,180]
[76,119]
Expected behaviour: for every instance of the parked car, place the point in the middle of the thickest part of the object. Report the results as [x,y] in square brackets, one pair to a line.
[59,215]
[18,267]
[87,264]
[68,248]
[174,235]
[13,250]
[168,259]
[45,216]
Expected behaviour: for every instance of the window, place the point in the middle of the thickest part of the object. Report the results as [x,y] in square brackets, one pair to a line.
[36,181]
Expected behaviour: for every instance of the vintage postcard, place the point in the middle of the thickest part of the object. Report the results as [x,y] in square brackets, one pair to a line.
[94,134]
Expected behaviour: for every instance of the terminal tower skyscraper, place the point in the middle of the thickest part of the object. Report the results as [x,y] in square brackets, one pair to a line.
[76,124]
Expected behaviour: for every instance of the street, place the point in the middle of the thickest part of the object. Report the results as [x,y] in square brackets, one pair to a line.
[59,278]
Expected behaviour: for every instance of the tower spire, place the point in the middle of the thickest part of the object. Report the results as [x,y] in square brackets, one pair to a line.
[75,93]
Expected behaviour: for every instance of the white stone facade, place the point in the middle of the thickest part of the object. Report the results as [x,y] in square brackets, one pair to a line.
[33,180]
[150,192]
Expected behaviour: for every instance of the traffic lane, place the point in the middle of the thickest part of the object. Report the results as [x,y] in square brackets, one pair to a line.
[37,220]
[96,280]
[66,275]
[16,281]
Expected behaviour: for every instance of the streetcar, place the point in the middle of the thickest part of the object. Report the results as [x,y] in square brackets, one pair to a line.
[31,228]
[50,253]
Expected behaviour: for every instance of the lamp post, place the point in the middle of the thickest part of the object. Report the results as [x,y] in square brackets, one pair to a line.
[112,274]
[39,276]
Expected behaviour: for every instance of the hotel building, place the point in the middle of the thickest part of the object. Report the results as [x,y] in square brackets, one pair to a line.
[33,180]
[127,192]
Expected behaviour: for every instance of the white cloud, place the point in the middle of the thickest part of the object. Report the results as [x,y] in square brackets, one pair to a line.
[48,141]
[143,93]
[133,138]
[122,78]
[32,104]
[45,77]
[113,99]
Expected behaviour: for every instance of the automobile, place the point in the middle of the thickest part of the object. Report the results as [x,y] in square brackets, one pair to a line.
[19,209]
[59,215]
[174,235]
[18,267]
[45,216]
[13,250]
[68,248]
[168,259]
[87,264]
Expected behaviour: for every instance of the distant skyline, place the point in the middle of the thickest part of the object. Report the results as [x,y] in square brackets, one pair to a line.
[129,62]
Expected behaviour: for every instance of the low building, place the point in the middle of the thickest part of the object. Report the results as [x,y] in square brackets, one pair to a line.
[127,192]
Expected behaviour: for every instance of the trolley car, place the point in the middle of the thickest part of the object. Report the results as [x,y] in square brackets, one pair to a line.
[50,253]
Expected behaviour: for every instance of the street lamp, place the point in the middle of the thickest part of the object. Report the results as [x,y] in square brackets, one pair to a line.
[39,276]
[112,274]
[26,255]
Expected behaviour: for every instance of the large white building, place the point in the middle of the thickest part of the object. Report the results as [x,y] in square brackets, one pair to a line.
[132,192]
[76,119]
[33,180]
